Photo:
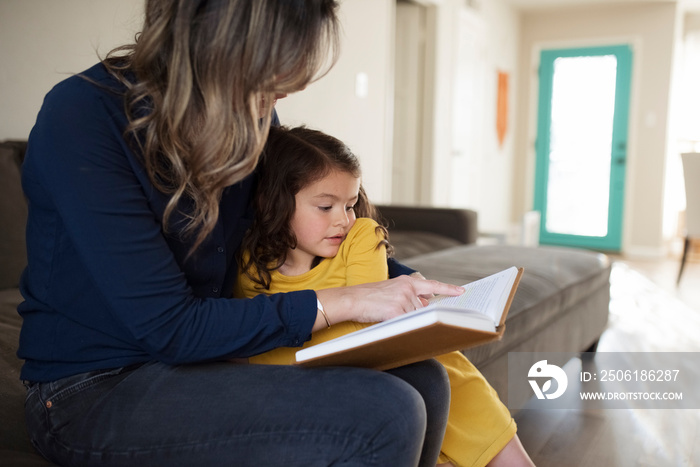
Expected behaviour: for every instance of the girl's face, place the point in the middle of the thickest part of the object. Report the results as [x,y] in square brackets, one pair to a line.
[323,217]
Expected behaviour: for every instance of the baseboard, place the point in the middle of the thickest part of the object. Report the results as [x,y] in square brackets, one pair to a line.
[644,252]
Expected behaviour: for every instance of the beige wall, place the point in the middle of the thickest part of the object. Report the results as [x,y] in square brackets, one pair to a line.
[44,41]
[650,29]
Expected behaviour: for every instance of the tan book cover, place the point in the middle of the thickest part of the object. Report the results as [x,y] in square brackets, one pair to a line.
[446,324]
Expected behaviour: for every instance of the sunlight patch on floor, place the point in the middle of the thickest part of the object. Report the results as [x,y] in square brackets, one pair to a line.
[646,318]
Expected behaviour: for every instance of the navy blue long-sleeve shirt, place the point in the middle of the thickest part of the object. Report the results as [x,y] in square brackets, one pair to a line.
[105,287]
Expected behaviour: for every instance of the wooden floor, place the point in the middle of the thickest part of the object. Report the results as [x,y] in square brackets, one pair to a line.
[648,313]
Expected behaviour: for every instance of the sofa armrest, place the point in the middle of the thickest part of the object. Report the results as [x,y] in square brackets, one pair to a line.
[18,148]
[455,223]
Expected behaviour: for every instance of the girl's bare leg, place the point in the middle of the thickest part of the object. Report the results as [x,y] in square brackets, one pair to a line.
[512,455]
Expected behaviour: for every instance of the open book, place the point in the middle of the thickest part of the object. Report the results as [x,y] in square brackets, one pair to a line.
[444,325]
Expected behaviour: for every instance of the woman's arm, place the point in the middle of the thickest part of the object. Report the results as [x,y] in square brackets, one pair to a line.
[100,265]
[379,301]
[397,269]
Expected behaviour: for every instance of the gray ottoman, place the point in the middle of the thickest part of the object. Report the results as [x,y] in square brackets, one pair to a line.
[561,304]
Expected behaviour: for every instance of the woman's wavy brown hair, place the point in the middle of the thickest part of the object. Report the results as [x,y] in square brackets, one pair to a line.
[196,77]
[293,159]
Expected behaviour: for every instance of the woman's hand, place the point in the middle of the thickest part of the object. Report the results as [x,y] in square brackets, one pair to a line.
[378,301]
[418,275]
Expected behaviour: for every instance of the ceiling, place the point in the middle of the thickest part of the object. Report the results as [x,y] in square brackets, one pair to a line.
[540,4]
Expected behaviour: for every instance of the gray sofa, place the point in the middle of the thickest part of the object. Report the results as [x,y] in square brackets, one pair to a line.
[562,301]
[561,304]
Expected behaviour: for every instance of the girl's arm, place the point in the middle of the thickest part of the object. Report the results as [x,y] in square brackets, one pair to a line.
[364,254]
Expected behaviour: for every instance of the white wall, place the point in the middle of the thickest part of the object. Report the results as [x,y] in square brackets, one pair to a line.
[651,29]
[469,168]
[366,123]
[503,35]
[331,104]
[483,166]
[45,41]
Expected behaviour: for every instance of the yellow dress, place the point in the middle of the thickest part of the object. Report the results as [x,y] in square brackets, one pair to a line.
[478,425]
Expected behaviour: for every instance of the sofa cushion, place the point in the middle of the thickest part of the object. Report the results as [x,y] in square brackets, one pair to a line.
[15,447]
[12,431]
[555,280]
[13,218]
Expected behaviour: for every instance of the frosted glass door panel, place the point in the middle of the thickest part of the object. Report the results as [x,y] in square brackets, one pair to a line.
[583,106]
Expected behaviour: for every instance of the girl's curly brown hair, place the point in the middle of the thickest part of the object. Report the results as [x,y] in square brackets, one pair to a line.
[292,159]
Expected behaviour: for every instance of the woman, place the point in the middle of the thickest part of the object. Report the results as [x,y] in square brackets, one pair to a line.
[138,176]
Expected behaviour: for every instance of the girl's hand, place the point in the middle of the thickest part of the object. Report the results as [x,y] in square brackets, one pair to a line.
[378,301]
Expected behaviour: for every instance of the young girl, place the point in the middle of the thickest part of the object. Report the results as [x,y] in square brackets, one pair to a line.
[315,229]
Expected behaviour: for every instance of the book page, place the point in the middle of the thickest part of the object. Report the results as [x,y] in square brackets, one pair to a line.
[487,296]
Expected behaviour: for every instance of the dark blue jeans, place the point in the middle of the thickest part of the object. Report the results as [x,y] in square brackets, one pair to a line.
[241,415]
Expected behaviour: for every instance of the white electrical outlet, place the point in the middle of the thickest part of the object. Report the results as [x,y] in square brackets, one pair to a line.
[361,85]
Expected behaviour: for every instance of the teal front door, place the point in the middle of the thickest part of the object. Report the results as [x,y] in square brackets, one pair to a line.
[581,145]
